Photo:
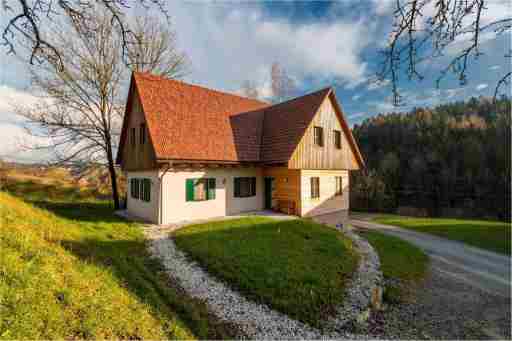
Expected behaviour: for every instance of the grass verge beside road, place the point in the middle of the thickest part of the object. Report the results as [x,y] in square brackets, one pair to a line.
[399,260]
[490,235]
[296,266]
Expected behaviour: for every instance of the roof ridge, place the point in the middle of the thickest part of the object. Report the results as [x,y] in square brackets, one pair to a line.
[301,97]
[161,78]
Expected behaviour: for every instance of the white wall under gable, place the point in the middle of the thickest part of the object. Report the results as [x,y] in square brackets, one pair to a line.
[146,210]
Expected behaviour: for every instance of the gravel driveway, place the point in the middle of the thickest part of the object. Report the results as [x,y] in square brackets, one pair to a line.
[466,294]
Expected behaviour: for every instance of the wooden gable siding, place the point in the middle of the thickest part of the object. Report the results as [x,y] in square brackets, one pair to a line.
[138,157]
[307,155]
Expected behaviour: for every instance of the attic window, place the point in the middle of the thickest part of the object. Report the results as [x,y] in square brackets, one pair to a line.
[337,139]
[319,136]
[132,137]
[142,133]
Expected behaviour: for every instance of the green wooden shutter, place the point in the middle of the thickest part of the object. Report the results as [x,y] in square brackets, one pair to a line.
[253,186]
[237,187]
[147,191]
[210,194]
[190,189]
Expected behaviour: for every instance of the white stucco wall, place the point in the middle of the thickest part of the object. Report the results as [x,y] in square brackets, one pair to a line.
[175,208]
[145,210]
[328,201]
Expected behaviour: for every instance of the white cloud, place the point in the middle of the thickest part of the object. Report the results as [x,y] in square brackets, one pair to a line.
[383,7]
[228,46]
[356,97]
[10,98]
[15,141]
[374,85]
[494,67]
[356,115]
[481,86]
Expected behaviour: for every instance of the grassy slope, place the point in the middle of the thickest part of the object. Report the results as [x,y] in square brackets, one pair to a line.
[74,270]
[399,260]
[491,235]
[296,266]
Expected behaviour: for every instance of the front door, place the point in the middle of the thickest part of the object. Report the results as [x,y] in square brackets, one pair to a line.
[268,193]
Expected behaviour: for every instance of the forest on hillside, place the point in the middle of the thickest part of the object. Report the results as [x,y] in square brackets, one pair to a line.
[451,160]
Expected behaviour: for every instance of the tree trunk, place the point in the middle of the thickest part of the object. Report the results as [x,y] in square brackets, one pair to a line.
[113,176]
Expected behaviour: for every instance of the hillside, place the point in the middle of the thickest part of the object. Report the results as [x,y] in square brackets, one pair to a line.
[451,160]
[73,270]
[90,183]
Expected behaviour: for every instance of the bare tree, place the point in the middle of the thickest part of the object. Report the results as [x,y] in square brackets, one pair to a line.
[450,22]
[250,90]
[283,86]
[83,90]
[30,17]
[153,48]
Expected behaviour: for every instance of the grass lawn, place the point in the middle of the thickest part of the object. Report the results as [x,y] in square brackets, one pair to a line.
[296,266]
[490,235]
[399,260]
[71,269]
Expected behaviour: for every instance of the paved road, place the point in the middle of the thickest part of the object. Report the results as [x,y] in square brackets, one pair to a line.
[485,270]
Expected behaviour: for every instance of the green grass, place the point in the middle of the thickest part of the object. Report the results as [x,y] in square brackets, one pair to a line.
[296,266]
[490,235]
[398,260]
[72,269]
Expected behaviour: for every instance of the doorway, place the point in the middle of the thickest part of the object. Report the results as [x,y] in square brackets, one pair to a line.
[269,182]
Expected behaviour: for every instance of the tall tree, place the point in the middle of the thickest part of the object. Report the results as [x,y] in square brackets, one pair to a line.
[283,86]
[250,90]
[83,91]
[442,25]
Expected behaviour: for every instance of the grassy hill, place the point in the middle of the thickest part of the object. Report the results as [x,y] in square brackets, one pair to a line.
[71,269]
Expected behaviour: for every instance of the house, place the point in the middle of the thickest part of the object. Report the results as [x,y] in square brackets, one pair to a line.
[191,153]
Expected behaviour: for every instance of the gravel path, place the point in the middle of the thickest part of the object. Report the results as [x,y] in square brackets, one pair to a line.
[256,321]
[444,308]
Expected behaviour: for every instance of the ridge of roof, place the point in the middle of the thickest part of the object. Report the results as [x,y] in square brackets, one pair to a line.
[150,76]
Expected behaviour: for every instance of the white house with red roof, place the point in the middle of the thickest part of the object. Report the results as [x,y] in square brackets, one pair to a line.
[193,153]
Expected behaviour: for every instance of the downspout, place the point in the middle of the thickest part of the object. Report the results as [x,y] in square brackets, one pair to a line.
[161,180]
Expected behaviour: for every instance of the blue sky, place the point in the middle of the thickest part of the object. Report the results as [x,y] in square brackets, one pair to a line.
[319,43]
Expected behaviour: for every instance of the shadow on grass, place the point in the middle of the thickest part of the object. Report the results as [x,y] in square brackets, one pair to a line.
[129,261]
[84,211]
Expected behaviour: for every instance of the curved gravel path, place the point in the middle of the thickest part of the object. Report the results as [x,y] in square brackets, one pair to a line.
[258,321]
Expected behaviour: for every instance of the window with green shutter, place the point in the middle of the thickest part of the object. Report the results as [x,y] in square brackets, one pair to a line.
[146,190]
[134,183]
[245,187]
[211,189]
[200,189]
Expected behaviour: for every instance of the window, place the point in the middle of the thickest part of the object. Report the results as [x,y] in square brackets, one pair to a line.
[337,139]
[145,190]
[134,188]
[140,189]
[132,136]
[245,187]
[319,136]
[315,187]
[339,185]
[200,189]
[142,133]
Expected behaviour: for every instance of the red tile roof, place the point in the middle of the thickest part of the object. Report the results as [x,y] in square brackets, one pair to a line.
[190,122]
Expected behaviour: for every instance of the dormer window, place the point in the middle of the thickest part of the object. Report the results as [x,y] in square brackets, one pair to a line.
[319,136]
[142,133]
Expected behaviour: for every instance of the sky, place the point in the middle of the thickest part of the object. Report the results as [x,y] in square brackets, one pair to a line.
[320,44]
